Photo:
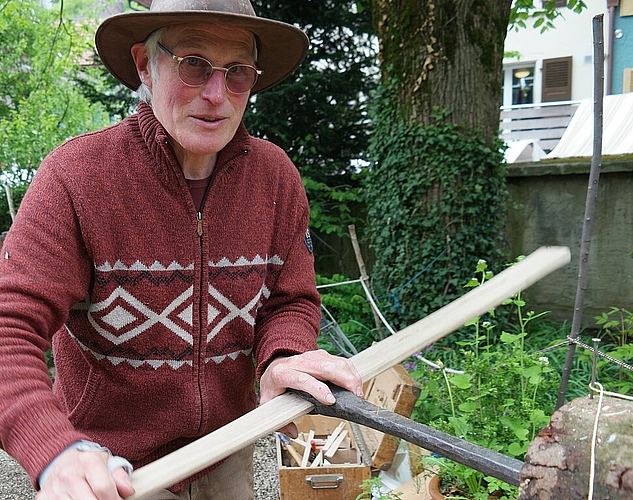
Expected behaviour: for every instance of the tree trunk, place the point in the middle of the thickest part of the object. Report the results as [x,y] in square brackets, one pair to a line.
[557,464]
[445,55]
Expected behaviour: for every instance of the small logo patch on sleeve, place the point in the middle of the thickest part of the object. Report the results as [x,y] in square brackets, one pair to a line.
[308,241]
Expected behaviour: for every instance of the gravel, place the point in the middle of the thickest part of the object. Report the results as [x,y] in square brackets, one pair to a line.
[15,484]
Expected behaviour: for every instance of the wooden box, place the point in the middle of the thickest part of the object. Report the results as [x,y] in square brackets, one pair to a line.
[361,452]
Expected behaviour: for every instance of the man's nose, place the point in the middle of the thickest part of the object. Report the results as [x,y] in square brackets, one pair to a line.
[215,87]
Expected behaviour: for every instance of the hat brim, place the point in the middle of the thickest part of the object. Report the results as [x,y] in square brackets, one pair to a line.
[282,47]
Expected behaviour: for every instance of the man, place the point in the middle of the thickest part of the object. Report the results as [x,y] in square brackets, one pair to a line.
[168,258]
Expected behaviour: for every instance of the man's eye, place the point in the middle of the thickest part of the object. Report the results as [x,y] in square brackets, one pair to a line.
[238,69]
[193,61]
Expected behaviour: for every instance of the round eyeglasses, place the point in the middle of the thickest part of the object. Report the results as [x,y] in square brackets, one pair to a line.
[195,71]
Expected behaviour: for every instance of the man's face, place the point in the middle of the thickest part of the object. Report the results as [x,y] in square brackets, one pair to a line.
[200,120]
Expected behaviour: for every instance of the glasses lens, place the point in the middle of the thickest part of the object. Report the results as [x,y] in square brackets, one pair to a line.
[194,70]
[240,78]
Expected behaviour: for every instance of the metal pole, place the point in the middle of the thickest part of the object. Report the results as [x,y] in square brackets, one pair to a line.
[590,204]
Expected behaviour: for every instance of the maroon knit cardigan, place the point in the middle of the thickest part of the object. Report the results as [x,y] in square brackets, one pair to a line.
[160,315]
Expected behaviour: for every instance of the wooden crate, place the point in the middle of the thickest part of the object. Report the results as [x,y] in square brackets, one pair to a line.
[392,390]
[341,480]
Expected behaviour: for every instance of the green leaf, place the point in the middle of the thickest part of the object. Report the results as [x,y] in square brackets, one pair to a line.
[510,338]
[461,381]
[469,407]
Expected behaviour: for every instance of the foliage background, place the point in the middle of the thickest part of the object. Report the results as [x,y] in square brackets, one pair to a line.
[40,103]
[433,220]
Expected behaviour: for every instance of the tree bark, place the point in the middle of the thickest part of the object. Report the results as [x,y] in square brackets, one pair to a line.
[557,464]
[445,55]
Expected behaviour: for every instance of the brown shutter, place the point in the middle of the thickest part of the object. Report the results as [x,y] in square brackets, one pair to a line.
[556,79]
[561,3]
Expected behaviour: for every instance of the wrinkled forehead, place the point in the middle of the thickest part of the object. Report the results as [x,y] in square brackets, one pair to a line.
[205,34]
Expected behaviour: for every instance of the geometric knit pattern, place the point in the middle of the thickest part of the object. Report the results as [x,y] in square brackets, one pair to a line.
[121,317]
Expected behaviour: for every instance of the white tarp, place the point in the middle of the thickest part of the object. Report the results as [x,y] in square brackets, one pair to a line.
[525,150]
[617,129]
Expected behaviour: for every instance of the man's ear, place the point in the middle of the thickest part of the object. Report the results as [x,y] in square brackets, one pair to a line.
[139,54]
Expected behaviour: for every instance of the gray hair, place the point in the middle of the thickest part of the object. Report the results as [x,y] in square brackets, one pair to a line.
[144,93]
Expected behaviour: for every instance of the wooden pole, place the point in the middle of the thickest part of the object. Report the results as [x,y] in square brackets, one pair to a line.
[365,278]
[282,410]
[7,191]
[590,203]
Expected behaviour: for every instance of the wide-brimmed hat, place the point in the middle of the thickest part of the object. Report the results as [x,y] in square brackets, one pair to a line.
[281,46]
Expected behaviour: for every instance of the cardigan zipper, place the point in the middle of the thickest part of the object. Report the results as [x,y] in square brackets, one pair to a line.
[206,192]
[200,231]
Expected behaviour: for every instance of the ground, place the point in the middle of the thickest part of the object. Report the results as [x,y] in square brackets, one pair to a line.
[15,484]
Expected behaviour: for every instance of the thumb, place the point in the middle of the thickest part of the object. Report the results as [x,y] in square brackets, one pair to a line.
[123,482]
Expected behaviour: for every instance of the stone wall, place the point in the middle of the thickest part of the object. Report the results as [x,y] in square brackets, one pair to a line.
[547,208]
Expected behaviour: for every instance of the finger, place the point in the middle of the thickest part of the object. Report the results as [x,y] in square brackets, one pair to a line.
[289,430]
[300,372]
[123,482]
[103,485]
[80,475]
[324,366]
[305,372]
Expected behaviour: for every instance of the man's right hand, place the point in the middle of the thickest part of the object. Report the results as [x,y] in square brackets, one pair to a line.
[84,475]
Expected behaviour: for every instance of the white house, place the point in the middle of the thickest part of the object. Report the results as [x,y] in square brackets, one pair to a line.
[556,65]
[547,75]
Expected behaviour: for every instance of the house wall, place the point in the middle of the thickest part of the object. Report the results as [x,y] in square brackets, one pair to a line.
[572,36]
[622,49]
[547,208]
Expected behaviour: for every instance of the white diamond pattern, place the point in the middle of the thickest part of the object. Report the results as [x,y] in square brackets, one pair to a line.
[152,317]
[233,311]
[119,318]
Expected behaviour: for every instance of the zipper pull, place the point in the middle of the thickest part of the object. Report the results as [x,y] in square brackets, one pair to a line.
[199,216]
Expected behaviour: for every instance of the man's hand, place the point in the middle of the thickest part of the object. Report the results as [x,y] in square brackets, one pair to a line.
[306,372]
[84,475]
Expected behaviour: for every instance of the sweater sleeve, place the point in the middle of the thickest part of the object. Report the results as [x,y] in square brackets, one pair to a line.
[44,270]
[289,321]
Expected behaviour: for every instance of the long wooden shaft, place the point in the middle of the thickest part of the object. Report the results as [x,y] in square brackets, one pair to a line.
[273,415]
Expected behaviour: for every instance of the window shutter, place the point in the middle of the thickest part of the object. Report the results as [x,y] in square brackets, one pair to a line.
[627,80]
[556,79]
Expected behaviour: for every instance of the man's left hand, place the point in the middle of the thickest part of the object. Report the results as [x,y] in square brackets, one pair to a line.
[307,372]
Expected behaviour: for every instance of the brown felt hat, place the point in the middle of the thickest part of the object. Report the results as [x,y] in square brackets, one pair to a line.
[281,47]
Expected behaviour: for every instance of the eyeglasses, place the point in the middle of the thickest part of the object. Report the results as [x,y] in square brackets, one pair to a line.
[195,71]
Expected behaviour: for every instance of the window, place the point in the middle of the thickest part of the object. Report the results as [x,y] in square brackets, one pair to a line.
[556,79]
[523,85]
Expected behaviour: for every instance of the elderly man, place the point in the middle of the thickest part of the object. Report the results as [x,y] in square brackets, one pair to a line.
[168,258]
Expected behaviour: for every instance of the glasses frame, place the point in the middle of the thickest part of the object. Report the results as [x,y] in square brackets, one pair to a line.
[179,60]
